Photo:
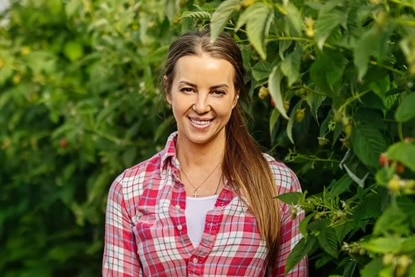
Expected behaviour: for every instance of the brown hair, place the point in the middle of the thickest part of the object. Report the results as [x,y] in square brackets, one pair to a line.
[251,178]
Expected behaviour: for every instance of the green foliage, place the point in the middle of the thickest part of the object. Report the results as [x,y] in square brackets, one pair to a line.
[332,84]
[79,102]
[341,75]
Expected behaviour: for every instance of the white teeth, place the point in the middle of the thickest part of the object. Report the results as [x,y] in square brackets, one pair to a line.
[201,122]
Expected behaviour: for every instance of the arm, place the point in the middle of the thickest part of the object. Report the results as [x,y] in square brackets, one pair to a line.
[120,253]
[290,235]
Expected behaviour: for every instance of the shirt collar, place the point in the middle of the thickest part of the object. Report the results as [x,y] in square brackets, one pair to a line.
[169,158]
[168,155]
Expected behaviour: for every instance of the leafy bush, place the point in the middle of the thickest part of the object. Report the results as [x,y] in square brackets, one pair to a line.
[341,73]
[332,84]
[79,102]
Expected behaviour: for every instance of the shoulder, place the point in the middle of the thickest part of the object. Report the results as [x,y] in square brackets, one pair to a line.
[285,177]
[130,183]
[148,166]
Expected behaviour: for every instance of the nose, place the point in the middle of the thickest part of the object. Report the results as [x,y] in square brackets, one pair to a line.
[202,104]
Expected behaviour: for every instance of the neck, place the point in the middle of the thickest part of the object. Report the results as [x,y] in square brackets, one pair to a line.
[193,155]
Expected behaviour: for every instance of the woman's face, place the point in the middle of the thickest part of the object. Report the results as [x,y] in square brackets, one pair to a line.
[202,97]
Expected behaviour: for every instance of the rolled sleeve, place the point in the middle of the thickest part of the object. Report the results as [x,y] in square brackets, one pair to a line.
[120,252]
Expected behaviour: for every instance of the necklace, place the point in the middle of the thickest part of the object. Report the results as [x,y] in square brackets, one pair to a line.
[195,189]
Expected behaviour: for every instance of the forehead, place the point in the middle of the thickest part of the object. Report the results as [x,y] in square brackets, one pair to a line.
[204,67]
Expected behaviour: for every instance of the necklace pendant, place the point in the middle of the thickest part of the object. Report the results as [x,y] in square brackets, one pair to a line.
[195,194]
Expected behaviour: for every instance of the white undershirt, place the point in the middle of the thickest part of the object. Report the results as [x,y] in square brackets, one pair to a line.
[196,210]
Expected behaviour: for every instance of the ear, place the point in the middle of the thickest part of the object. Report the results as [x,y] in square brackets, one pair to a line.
[235,101]
[168,96]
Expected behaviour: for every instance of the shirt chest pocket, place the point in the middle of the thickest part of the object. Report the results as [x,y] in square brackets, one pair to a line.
[151,222]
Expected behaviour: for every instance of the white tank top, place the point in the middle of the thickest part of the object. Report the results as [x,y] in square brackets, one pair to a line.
[196,210]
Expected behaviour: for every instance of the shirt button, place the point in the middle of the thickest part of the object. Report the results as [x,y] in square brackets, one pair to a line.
[177,207]
[195,260]
[179,227]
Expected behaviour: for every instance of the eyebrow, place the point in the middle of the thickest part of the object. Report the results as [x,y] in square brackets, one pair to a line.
[212,87]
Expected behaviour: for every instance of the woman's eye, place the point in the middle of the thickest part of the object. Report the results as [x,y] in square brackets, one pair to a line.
[187,90]
[218,92]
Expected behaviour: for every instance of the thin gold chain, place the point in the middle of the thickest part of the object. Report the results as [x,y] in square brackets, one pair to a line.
[195,189]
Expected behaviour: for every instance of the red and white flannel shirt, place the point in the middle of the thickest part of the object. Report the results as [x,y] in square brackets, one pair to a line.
[146,233]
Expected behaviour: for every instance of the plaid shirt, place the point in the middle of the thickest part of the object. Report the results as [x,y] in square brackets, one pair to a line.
[146,233]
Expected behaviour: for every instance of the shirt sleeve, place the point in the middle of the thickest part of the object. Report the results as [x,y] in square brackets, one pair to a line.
[290,234]
[120,252]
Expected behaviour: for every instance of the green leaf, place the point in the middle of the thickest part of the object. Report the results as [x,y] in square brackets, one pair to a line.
[368,143]
[304,224]
[343,230]
[326,22]
[372,268]
[391,220]
[321,262]
[55,7]
[328,241]
[274,82]
[221,16]
[199,15]
[315,101]
[290,66]
[342,185]
[275,114]
[406,111]
[300,250]
[172,9]
[367,211]
[408,245]
[258,19]
[73,50]
[372,43]
[43,61]
[317,225]
[282,46]
[404,153]
[387,271]
[5,74]
[381,83]
[383,245]
[261,70]
[291,121]
[294,18]
[411,272]
[291,198]
[363,50]
[72,6]
[326,79]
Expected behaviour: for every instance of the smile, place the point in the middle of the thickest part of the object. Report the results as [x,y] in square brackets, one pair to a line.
[200,123]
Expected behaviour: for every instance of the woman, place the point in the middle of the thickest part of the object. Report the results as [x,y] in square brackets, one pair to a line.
[205,205]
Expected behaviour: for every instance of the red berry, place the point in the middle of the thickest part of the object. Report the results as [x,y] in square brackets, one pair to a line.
[383,160]
[63,144]
[400,168]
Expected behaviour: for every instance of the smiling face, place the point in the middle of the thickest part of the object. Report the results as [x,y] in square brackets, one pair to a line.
[202,97]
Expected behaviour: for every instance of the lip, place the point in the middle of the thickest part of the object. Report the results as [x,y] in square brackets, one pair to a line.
[200,123]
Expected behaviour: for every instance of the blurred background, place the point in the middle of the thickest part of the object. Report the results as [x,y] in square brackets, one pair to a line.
[332,89]
[79,102]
